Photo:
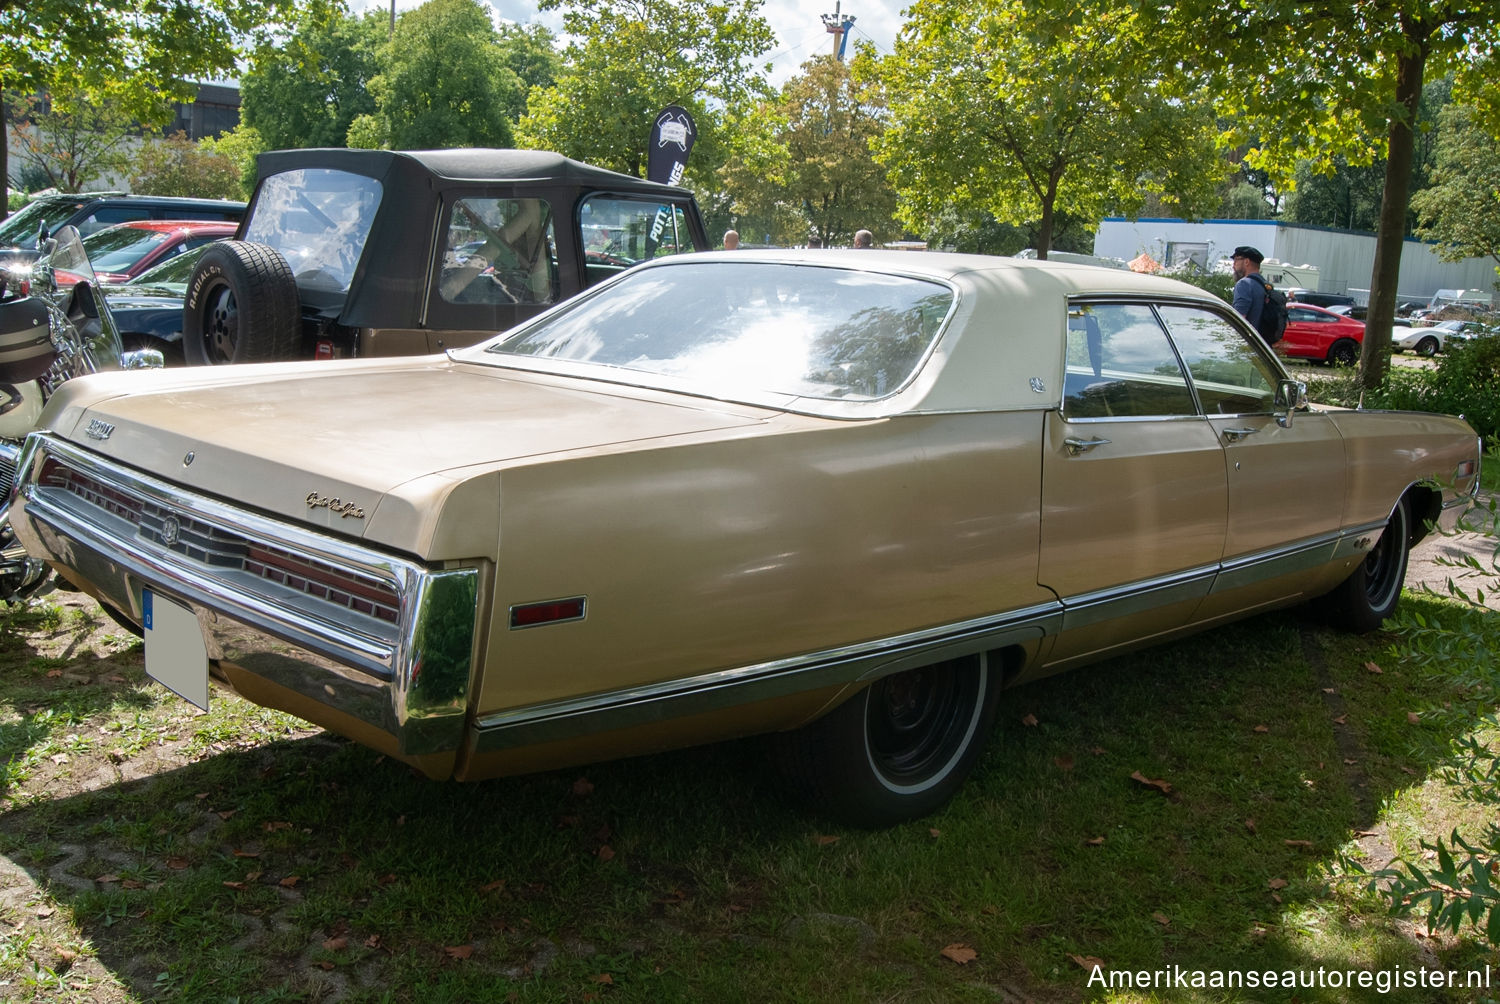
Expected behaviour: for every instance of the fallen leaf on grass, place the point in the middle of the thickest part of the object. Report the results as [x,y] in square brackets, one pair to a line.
[66,957]
[1162,786]
[1029,720]
[373,941]
[934,832]
[604,978]
[1276,883]
[226,814]
[1261,728]
[107,878]
[1367,833]
[272,827]
[115,678]
[59,758]
[1162,919]
[132,884]
[1330,690]
[53,674]
[326,966]
[290,881]
[494,886]
[237,886]
[1087,962]
[1066,762]
[1095,841]
[246,854]
[962,954]
[1370,667]
[605,853]
[825,840]
[1299,843]
[1250,825]
[459,951]
[1341,720]
[387,879]
[583,787]
[1413,718]
[336,944]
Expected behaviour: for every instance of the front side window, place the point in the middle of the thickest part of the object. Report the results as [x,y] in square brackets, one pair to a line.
[743,330]
[499,251]
[1231,376]
[1120,364]
[618,232]
[319,219]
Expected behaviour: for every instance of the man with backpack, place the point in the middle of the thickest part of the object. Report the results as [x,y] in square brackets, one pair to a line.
[1256,300]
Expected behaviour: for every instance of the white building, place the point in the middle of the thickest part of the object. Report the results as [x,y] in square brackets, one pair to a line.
[1345,259]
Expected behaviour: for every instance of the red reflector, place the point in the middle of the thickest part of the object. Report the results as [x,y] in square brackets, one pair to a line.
[324,350]
[551,612]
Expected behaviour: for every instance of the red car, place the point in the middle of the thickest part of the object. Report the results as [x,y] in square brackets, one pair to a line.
[1315,333]
[125,250]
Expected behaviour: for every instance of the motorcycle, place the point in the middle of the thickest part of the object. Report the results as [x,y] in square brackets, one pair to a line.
[54,325]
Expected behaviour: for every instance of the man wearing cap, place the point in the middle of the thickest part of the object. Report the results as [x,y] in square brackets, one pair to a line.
[1249,287]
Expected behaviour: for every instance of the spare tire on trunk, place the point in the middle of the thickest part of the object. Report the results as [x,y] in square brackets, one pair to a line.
[241,307]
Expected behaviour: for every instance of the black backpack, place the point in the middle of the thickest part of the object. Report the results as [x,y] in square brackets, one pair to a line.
[1272,323]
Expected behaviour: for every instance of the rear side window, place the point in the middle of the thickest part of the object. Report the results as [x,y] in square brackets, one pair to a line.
[108,216]
[1120,364]
[500,251]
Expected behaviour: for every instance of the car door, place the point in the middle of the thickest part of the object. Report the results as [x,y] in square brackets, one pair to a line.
[1307,333]
[1134,491]
[1285,477]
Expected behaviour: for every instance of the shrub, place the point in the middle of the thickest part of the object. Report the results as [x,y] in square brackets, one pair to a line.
[1462,383]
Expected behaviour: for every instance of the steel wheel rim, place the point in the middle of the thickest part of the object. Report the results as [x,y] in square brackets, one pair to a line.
[221,325]
[919,722]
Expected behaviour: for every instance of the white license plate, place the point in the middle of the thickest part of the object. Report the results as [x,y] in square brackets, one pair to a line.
[175,654]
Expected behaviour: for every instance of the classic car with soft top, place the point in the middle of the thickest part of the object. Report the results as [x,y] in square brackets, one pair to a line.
[844,498]
[347,253]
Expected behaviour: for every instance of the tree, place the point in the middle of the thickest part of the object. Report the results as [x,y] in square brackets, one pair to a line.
[1461,211]
[1350,97]
[69,142]
[140,54]
[306,89]
[531,53]
[178,166]
[635,57]
[444,82]
[241,145]
[1031,108]
[824,174]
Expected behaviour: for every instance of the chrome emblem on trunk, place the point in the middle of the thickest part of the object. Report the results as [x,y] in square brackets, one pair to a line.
[334,505]
[98,429]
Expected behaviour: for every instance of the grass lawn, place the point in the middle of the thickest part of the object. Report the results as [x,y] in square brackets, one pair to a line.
[1188,806]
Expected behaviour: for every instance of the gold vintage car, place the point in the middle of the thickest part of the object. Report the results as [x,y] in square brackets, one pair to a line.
[843,496]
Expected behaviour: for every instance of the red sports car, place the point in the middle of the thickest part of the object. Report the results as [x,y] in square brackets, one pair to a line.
[122,252]
[1315,333]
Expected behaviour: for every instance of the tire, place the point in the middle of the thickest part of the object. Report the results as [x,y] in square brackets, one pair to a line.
[1371,593]
[1343,353]
[241,307]
[1427,346]
[897,750]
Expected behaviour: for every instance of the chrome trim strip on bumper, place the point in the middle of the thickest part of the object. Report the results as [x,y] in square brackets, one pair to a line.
[408,679]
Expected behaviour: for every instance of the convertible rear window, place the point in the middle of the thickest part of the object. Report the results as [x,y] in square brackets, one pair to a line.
[750,328]
[319,219]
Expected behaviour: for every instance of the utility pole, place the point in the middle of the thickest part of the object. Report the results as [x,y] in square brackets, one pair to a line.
[838,26]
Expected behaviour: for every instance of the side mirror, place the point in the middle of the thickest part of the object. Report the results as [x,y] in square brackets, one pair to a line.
[1291,395]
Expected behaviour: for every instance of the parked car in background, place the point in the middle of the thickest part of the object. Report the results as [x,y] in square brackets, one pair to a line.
[122,252]
[1315,299]
[844,497]
[148,310]
[1316,333]
[1429,340]
[350,253]
[91,211]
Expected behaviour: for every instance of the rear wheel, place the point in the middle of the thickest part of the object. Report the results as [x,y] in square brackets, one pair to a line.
[1371,593]
[241,306]
[900,748]
[1343,353]
[1428,346]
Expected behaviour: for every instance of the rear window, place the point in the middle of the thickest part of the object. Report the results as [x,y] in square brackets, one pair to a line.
[748,329]
[319,219]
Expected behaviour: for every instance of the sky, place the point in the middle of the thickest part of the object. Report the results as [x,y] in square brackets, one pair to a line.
[798,25]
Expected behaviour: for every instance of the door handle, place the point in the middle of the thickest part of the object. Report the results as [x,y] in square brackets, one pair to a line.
[1235,435]
[1076,446]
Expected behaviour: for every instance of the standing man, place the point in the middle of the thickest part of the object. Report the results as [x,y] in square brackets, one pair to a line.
[864,239]
[1249,287]
[731,240]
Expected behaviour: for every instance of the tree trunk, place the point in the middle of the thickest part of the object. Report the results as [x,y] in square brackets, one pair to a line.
[1375,356]
[4,158]
[1044,231]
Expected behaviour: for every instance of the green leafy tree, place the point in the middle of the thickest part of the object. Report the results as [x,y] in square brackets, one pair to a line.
[1031,108]
[241,145]
[68,142]
[631,59]
[306,89]
[140,54]
[1357,98]
[1461,211]
[532,55]
[178,166]
[444,81]
[822,175]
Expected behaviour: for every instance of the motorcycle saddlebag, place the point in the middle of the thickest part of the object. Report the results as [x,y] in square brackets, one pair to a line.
[26,350]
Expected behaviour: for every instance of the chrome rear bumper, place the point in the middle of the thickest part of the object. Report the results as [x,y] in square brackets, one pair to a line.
[374,638]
